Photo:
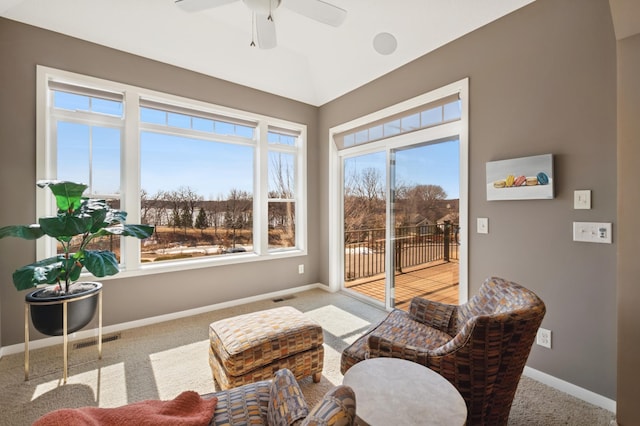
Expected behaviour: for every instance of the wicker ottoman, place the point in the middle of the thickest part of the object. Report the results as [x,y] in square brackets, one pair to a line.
[252,347]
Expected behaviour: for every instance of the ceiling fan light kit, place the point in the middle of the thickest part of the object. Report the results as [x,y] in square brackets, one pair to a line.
[262,12]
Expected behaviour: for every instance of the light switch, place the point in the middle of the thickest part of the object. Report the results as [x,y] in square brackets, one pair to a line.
[483,225]
[582,199]
[592,232]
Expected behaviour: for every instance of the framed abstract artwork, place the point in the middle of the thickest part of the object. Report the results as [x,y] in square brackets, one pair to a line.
[526,178]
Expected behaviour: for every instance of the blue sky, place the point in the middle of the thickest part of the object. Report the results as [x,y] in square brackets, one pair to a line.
[436,164]
[210,168]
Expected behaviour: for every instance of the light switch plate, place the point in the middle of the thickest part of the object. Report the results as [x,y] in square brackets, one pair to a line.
[582,199]
[483,225]
[592,232]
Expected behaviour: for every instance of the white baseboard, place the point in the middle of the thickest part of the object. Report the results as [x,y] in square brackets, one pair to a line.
[571,389]
[85,334]
[554,382]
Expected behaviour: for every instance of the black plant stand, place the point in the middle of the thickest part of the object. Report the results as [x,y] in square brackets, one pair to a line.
[65,302]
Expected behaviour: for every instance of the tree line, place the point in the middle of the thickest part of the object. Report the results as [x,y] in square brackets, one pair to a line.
[183,209]
[365,205]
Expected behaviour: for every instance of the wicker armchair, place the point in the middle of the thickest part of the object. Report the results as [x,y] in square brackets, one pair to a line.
[276,402]
[481,347]
[279,402]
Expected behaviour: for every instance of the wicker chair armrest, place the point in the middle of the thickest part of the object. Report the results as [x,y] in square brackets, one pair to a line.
[286,401]
[380,346]
[337,407]
[440,316]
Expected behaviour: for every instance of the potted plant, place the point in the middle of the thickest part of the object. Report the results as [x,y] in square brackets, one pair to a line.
[78,222]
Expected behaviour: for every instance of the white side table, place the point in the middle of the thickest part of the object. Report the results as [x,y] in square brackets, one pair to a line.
[391,391]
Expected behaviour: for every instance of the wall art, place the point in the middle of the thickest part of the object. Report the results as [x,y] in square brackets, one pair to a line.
[526,178]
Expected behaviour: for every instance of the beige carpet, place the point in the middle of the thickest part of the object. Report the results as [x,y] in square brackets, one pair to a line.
[162,360]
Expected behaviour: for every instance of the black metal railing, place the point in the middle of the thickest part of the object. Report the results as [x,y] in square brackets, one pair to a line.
[365,249]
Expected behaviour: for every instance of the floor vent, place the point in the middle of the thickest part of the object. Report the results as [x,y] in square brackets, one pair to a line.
[94,342]
[283,298]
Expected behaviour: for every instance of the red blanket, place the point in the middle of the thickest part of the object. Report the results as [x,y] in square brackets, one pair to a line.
[187,409]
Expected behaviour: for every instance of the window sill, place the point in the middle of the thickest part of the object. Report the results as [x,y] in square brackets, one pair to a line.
[181,265]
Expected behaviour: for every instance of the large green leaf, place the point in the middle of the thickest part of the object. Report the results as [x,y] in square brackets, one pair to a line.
[65,225]
[68,194]
[138,231]
[45,271]
[27,232]
[101,262]
[96,217]
[116,216]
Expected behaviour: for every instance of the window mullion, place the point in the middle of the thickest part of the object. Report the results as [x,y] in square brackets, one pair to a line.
[261,195]
[130,178]
[300,194]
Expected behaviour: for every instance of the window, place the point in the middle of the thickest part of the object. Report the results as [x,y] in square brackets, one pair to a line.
[432,114]
[220,185]
[282,189]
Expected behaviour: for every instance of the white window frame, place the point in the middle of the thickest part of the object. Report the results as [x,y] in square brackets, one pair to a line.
[130,172]
[447,129]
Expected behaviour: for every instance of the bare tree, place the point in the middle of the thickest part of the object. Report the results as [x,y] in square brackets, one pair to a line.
[189,200]
[404,214]
[426,200]
[182,202]
[364,204]
[282,177]
[215,214]
[237,212]
[282,213]
[145,206]
[172,198]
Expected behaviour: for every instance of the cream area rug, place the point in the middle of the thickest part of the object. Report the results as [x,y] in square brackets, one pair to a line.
[162,360]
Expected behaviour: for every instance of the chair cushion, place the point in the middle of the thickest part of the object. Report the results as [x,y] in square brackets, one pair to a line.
[399,327]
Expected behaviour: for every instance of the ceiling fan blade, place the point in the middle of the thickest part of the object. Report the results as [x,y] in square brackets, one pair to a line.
[198,5]
[318,10]
[265,32]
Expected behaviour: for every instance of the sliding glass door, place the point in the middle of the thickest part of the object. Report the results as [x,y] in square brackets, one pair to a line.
[401,223]
[398,198]
[425,223]
[365,224]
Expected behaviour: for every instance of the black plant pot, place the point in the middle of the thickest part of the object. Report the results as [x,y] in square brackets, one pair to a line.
[46,312]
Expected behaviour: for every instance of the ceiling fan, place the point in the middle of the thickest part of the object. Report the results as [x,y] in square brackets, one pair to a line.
[262,10]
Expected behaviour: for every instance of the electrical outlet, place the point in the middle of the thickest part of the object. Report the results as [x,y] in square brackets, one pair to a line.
[301,269]
[543,338]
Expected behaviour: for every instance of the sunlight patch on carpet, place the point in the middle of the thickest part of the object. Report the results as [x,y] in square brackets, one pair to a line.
[192,372]
[338,322]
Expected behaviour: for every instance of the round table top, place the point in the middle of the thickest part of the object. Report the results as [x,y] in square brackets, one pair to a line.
[391,391]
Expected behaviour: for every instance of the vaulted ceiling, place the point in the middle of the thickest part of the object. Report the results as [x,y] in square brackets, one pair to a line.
[312,63]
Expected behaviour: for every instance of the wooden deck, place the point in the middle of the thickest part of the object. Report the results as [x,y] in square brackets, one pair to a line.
[436,281]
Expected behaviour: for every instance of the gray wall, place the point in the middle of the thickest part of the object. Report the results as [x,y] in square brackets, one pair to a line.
[23,47]
[542,80]
[629,241]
